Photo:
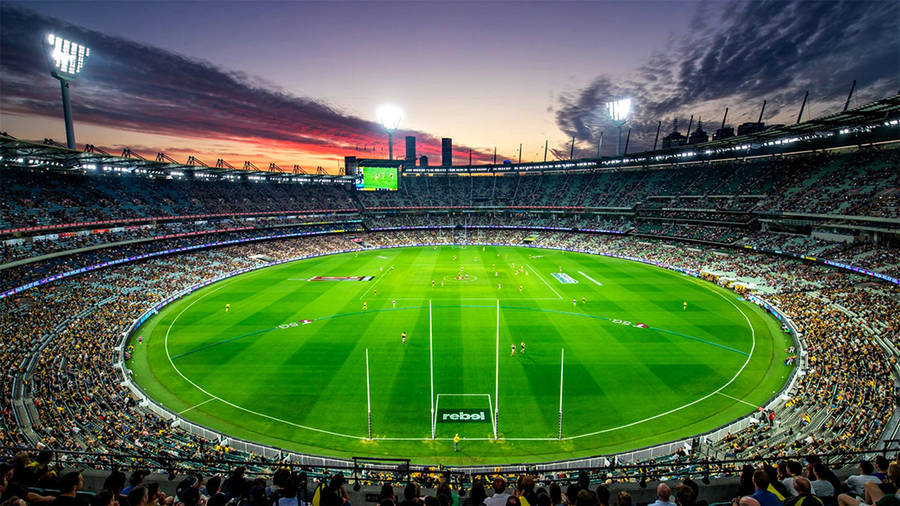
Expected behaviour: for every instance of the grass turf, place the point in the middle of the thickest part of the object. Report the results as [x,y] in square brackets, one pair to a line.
[257,372]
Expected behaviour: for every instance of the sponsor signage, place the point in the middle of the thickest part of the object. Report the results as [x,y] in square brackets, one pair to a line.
[463,415]
[564,278]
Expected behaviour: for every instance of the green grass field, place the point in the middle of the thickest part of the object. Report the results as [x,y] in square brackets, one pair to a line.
[638,370]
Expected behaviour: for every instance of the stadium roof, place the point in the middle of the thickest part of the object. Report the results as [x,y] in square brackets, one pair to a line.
[873,122]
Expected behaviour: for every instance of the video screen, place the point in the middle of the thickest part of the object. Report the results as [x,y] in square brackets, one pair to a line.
[376,178]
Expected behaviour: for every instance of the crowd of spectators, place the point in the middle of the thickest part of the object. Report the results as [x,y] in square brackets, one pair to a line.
[68,330]
[786,482]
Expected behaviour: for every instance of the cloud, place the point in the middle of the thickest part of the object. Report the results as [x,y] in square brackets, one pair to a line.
[131,86]
[743,52]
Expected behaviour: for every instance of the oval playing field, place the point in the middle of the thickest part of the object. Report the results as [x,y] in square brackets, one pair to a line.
[309,355]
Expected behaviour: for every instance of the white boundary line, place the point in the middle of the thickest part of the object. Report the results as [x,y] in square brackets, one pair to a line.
[196,405]
[739,400]
[591,279]
[560,297]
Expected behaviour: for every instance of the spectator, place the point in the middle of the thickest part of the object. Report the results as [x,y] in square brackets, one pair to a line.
[761,493]
[663,493]
[104,498]
[856,482]
[556,496]
[411,495]
[804,495]
[824,484]
[138,496]
[137,478]
[500,494]
[69,485]
[476,496]
[787,472]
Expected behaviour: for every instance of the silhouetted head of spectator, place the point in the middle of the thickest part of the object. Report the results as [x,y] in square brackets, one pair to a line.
[602,495]
[138,496]
[802,485]
[104,498]
[115,482]
[137,477]
[70,482]
[760,479]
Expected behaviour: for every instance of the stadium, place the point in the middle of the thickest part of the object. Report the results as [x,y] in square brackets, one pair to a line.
[670,315]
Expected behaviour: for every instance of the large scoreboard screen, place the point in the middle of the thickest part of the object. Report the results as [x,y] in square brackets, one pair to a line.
[376,178]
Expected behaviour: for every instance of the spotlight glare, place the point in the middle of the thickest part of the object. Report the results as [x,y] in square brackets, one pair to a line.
[390,116]
[619,109]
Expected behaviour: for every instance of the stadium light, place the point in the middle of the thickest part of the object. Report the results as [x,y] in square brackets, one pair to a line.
[390,116]
[67,60]
[618,113]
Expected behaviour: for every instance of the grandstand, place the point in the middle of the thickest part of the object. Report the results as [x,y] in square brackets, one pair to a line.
[92,244]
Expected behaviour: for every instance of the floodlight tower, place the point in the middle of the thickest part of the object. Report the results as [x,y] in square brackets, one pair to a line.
[66,59]
[390,116]
[618,112]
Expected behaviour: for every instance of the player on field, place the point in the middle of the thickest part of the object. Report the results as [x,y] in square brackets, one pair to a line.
[522,347]
[432,283]
[583,300]
[499,286]
[227,307]
[684,306]
[375,292]
[403,338]
[574,302]
[365,306]
[521,288]
[394,302]
[512,350]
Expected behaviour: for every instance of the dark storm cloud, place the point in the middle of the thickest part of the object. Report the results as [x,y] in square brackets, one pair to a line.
[741,53]
[132,86]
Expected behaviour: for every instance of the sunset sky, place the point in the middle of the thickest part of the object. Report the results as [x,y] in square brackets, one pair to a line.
[299,82]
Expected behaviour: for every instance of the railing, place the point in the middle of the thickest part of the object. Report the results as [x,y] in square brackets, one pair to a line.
[400,471]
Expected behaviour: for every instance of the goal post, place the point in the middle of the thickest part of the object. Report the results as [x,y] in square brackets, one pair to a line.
[497,375]
[368,396]
[562,361]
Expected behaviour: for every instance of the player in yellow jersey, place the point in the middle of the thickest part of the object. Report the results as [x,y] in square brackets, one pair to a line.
[227,307]
[684,306]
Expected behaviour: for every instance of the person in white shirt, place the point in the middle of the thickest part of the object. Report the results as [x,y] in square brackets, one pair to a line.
[500,495]
[857,482]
